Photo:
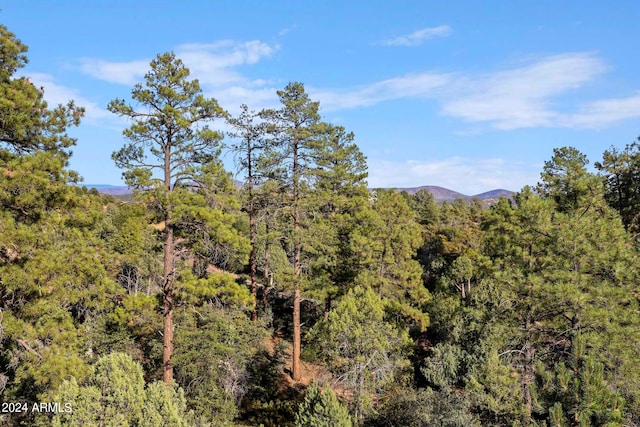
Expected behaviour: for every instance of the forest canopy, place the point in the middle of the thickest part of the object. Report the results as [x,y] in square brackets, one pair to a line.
[301,297]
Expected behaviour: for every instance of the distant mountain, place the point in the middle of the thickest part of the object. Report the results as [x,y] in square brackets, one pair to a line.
[441,194]
[114,190]
[494,194]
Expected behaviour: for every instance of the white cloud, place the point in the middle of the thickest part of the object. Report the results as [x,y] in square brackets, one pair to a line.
[605,112]
[521,97]
[56,94]
[508,99]
[418,37]
[232,97]
[287,30]
[215,65]
[125,73]
[422,85]
[463,174]
[211,63]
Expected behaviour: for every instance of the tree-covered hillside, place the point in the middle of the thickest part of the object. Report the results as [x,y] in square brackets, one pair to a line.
[302,298]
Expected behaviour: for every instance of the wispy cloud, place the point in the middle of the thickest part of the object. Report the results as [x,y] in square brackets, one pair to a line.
[418,37]
[124,73]
[422,85]
[521,97]
[529,95]
[212,63]
[55,94]
[464,174]
[287,30]
[605,112]
[256,98]
[216,65]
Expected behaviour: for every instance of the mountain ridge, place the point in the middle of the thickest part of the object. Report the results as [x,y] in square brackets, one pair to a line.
[440,194]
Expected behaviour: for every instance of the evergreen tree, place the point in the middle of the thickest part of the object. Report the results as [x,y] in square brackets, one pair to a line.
[169,135]
[321,408]
[361,349]
[385,242]
[424,408]
[53,280]
[115,395]
[566,181]
[576,392]
[340,196]
[213,355]
[296,129]
[27,124]
[247,154]
[298,142]
[564,279]
[621,175]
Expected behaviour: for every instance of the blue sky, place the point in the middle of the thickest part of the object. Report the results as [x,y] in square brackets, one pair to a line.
[463,94]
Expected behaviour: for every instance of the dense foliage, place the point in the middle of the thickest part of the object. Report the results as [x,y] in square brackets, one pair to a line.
[201,304]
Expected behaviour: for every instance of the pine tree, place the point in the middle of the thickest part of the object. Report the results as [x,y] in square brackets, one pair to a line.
[621,175]
[248,151]
[169,135]
[361,349]
[115,394]
[340,196]
[576,392]
[27,124]
[297,140]
[385,241]
[53,280]
[564,279]
[321,408]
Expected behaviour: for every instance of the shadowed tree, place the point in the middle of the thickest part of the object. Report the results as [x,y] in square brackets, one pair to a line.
[621,175]
[248,150]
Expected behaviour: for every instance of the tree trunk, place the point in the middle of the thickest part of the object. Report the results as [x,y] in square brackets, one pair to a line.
[528,374]
[167,315]
[267,260]
[327,307]
[252,254]
[297,269]
[167,309]
[295,369]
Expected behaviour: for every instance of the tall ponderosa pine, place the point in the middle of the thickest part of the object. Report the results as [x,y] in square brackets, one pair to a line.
[169,135]
[297,136]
